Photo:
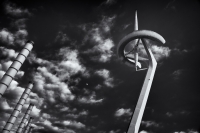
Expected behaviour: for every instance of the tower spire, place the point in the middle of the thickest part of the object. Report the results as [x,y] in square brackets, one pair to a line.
[136,21]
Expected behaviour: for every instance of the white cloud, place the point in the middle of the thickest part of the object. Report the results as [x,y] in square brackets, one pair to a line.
[176,74]
[14,91]
[20,37]
[110,2]
[46,116]
[169,114]
[13,10]
[4,105]
[107,22]
[75,124]
[160,52]
[19,23]
[35,112]
[117,131]
[5,65]
[123,112]
[6,37]
[150,124]
[64,109]
[106,75]
[84,113]
[90,99]
[8,53]
[96,34]
[188,131]
[19,74]
[50,84]
[103,47]
[61,38]
[143,131]
[70,64]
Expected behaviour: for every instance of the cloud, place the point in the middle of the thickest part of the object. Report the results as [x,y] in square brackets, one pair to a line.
[70,63]
[8,53]
[48,125]
[143,131]
[83,113]
[123,112]
[35,112]
[160,52]
[4,106]
[98,36]
[106,75]
[46,116]
[103,48]
[64,109]
[49,85]
[13,10]
[19,74]
[177,74]
[61,38]
[19,23]
[5,65]
[107,22]
[110,1]
[169,114]
[90,99]
[117,131]
[14,92]
[74,124]
[20,37]
[150,124]
[35,99]
[6,37]
[171,6]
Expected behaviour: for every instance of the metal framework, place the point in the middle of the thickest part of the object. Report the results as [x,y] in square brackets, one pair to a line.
[138,35]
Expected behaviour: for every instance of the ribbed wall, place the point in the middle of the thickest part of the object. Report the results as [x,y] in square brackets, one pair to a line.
[17,109]
[30,129]
[25,118]
[14,68]
[28,125]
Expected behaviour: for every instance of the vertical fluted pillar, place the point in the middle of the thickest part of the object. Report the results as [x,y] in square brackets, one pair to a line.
[17,109]
[28,125]
[30,129]
[25,118]
[14,68]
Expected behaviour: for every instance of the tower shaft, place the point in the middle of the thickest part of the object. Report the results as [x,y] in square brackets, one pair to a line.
[14,68]
[25,118]
[139,110]
[17,109]
[28,125]
[30,129]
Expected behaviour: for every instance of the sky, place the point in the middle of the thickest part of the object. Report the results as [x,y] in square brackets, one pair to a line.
[80,84]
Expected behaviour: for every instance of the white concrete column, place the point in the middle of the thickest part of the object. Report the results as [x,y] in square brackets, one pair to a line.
[14,68]
[25,118]
[28,125]
[17,109]
[30,129]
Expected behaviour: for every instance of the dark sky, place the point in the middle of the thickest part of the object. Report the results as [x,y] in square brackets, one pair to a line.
[81,86]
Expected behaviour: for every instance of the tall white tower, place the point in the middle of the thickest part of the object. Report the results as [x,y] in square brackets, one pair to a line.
[131,57]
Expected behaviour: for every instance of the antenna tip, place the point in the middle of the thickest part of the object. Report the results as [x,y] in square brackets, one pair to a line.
[136,21]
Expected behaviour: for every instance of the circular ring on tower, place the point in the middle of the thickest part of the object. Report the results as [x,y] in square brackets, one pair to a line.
[136,35]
